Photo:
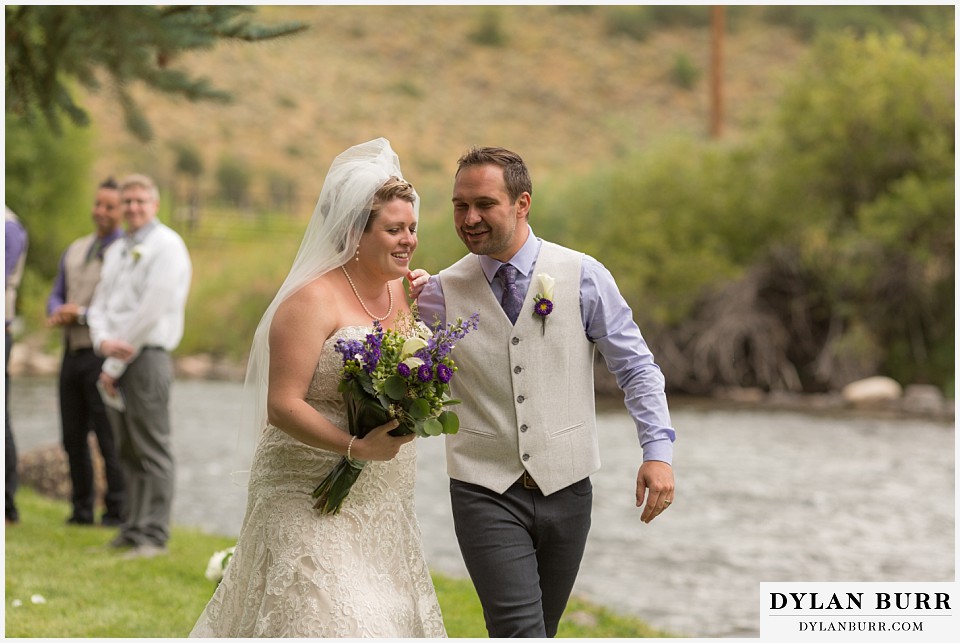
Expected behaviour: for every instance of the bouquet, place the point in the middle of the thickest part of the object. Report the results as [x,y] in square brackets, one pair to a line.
[401,374]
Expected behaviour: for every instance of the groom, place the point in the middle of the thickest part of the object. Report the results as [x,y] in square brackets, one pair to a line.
[527,444]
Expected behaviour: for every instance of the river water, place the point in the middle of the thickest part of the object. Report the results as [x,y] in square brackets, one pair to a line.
[762,495]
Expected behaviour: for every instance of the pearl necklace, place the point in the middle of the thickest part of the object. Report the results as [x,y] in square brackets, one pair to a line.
[357,293]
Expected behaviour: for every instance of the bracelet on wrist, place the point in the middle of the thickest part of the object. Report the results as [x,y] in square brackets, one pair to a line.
[350,446]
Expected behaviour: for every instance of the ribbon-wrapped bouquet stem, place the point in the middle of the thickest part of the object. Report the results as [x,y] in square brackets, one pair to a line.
[400,373]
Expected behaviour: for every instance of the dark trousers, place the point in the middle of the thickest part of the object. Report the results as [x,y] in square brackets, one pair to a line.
[10,480]
[82,410]
[523,551]
[143,441]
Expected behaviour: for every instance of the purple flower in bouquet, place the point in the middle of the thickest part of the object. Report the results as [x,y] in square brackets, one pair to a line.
[371,349]
[424,373]
[444,373]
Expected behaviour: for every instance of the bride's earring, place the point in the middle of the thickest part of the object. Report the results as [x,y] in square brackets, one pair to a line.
[356,257]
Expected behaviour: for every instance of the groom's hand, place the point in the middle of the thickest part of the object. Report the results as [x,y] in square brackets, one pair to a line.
[417,279]
[655,481]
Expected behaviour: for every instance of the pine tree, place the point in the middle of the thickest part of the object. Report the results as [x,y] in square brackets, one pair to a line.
[49,48]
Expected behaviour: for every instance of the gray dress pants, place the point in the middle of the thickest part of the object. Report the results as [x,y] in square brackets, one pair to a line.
[523,551]
[144,446]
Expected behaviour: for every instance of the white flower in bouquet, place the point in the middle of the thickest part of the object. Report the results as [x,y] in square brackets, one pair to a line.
[412,345]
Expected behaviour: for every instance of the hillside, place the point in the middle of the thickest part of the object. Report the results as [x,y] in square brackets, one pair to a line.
[559,90]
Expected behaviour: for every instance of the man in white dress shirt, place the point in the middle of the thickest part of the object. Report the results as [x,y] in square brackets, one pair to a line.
[136,318]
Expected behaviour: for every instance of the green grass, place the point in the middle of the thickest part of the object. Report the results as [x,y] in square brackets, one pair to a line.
[91,592]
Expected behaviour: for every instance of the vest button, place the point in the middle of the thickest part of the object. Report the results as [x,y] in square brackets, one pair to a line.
[517,369]
[526,456]
[523,428]
[515,341]
[520,399]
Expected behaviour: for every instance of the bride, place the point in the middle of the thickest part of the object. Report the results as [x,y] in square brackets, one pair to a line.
[361,572]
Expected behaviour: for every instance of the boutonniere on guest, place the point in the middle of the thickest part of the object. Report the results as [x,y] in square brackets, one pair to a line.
[543,301]
[138,252]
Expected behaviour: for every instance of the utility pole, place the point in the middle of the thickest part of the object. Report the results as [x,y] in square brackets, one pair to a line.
[716,71]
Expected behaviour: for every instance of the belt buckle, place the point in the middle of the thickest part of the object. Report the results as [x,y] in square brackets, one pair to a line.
[529,482]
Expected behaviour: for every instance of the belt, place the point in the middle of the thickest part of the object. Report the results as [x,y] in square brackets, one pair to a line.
[153,348]
[528,481]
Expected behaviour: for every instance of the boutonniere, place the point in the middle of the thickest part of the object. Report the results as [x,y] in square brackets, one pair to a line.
[543,301]
[138,252]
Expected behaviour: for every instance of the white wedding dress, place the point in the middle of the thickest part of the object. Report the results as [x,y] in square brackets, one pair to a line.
[299,573]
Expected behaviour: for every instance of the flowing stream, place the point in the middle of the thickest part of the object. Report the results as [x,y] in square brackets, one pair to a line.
[762,495]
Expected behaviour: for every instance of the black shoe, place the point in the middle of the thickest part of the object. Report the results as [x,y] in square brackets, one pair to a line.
[111,521]
[73,520]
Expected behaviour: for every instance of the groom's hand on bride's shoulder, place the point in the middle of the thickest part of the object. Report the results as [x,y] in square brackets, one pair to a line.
[417,279]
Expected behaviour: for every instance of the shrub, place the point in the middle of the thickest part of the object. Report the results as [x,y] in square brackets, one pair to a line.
[684,73]
[489,31]
[233,178]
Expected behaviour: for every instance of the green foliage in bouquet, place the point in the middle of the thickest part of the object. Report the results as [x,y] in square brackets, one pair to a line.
[402,374]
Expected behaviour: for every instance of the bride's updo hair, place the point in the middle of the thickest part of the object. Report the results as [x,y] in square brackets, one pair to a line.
[394,188]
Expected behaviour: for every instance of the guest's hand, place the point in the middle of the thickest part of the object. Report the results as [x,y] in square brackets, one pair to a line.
[117,348]
[109,383]
[655,480]
[378,444]
[64,315]
[417,279]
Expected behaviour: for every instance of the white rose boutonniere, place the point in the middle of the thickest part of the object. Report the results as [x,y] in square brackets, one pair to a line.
[543,300]
[138,252]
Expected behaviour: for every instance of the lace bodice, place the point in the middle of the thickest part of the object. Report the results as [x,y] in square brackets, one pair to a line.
[297,572]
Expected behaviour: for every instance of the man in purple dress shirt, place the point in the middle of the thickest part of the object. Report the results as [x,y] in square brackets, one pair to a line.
[15,246]
[520,465]
[81,407]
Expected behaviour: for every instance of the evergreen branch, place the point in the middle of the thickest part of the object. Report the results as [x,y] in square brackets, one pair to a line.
[48,45]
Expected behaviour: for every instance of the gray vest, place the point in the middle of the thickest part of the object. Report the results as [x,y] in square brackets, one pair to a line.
[81,278]
[528,397]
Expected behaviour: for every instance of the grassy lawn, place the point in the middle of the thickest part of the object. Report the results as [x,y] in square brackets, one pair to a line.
[88,591]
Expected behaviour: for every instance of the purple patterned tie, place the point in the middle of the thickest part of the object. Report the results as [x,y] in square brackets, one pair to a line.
[512,300]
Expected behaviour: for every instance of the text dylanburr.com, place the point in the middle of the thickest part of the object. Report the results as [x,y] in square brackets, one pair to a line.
[858,611]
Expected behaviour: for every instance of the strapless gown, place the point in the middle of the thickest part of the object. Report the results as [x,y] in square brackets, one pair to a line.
[299,573]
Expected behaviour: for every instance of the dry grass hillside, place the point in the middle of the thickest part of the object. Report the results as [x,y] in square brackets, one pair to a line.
[559,90]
